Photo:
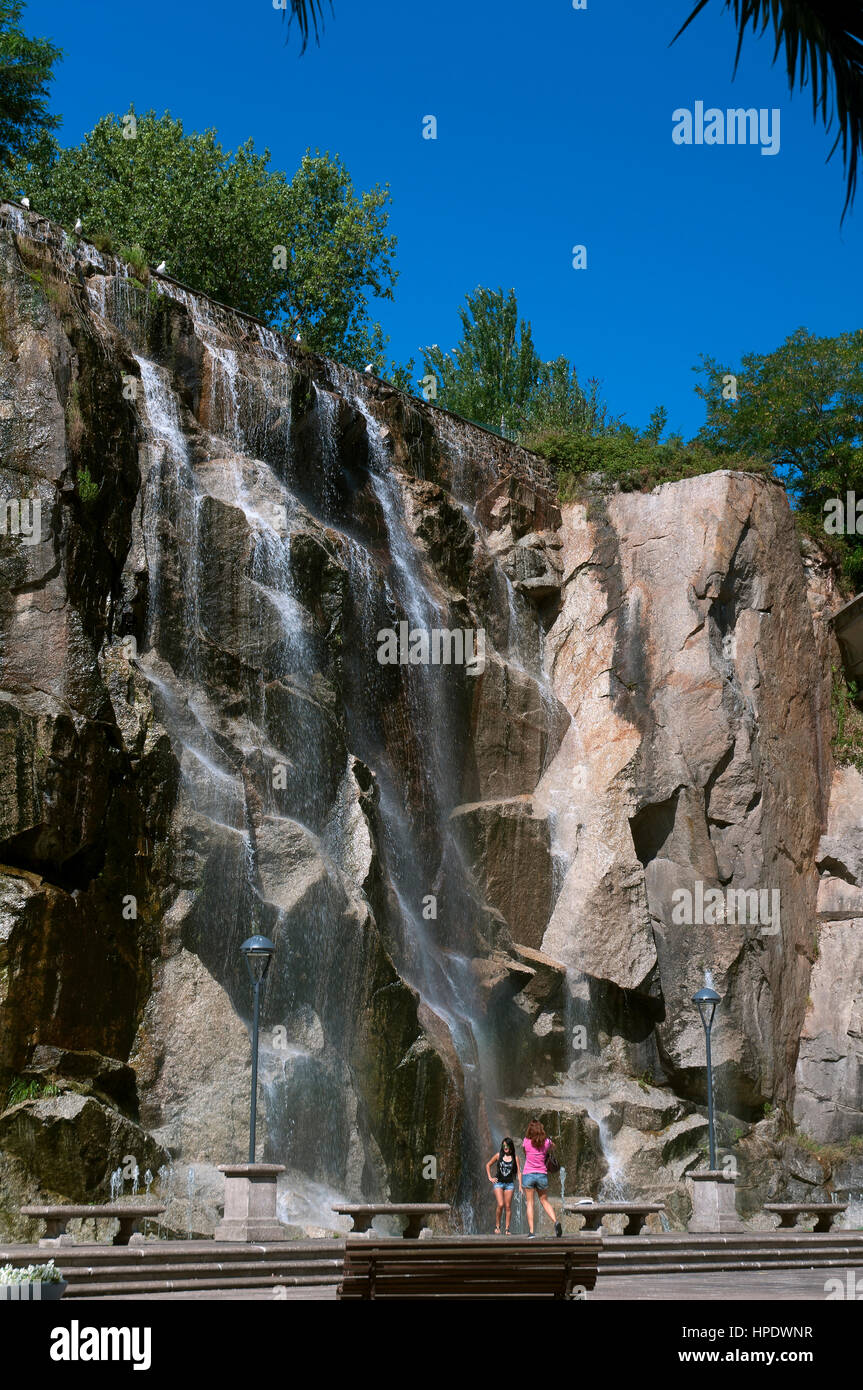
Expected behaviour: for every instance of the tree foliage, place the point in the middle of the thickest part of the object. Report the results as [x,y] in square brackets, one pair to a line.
[26,69]
[308,15]
[629,459]
[800,408]
[490,377]
[305,252]
[496,377]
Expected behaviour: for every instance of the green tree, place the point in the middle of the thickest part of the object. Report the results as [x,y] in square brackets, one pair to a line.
[305,253]
[559,402]
[492,374]
[402,375]
[823,41]
[25,72]
[801,409]
[497,378]
[337,252]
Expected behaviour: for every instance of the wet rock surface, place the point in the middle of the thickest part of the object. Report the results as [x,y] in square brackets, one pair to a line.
[471,876]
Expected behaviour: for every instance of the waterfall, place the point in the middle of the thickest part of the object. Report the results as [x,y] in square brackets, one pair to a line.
[421,854]
[232,467]
[224,399]
[171,487]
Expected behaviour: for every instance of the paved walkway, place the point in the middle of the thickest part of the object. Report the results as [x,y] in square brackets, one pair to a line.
[771,1286]
[776,1286]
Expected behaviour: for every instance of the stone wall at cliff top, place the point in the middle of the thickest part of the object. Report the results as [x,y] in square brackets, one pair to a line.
[198,741]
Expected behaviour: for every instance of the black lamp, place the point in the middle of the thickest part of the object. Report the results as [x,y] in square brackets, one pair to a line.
[258,951]
[707,999]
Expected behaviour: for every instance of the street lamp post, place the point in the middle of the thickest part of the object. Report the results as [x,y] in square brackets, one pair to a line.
[706,1000]
[258,951]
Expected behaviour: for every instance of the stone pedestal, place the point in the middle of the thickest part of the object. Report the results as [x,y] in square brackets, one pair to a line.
[713,1209]
[250,1203]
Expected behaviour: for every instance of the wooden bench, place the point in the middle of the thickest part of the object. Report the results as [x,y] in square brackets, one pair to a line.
[470,1267]
[127,1213]
[363,1214]
[788,1213]
[594,1213]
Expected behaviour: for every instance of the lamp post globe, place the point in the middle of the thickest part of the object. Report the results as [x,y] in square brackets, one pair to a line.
[706,1001]
[258,951]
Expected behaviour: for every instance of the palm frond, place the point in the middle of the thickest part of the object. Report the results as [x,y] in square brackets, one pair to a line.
[309,15]
[823,40]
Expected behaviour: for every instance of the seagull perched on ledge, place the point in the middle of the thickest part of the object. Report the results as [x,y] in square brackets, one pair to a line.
[79,227]
[161,268]
[25,203]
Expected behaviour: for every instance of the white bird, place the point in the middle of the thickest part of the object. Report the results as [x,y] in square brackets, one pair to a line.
[25,203]
[161,268]
[368,367]
[79,227]
[298,339]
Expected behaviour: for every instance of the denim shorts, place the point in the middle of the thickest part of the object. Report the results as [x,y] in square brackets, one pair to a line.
[539,1180]
[506,1186]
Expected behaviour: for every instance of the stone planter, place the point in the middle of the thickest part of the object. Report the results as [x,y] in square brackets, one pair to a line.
[33,1293]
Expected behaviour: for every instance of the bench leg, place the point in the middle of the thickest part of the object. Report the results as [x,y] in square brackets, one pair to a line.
[413,1226]
[55,1233]
[361,1225]
[634,1223]
[787,1221]
[591,1223]
[824,1222]
[127,1227]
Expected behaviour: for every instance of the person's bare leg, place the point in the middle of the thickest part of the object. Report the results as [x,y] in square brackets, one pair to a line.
[507,1201]
[528,1201]
[548,1208]
[498,1197]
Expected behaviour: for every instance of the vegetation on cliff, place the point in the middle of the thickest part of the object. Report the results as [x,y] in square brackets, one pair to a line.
[801,408]
[847,742]
[306,253]
[795,414]
[633,460]
[309,253]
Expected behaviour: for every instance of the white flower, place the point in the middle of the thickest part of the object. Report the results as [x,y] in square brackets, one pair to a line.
[33,1274]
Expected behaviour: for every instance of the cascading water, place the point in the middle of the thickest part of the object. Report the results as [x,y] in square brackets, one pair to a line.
[226,760]
[421,856]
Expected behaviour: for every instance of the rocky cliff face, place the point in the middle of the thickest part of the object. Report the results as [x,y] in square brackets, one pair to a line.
[291,652]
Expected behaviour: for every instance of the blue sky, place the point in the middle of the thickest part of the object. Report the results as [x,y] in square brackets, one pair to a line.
[554,129]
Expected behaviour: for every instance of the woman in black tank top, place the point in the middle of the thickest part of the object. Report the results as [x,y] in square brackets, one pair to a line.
[507,1171]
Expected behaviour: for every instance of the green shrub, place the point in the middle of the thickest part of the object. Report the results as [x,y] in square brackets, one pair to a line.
[633,462]
[88,491]
[104,242]
[832,1154]
[21,1090]
[847,741]
[136,259]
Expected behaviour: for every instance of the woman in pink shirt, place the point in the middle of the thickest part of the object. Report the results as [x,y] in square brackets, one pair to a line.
[534,1174]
